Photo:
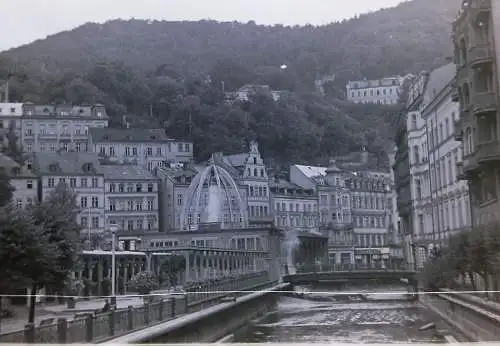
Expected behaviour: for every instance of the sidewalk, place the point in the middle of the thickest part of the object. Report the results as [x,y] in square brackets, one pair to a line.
[45,311]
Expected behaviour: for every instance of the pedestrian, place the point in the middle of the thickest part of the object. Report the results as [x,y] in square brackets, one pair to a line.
[106,306]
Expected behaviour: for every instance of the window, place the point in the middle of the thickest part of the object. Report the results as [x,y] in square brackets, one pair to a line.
[95,182]
[138,187]
[112,187]
[95,222]
[158,151]
[83,202]
[416,154]
[72,182]
[138,205]
[95,202]
[130,205]
[83,182]
[121,187]
[150,204]
[84,221]
[29,184]
[150,187]
[112,205]
[51,182]
[139,224]
[179,199]
[414,121]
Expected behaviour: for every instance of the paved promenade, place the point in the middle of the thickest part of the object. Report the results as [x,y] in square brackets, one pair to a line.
[45,311]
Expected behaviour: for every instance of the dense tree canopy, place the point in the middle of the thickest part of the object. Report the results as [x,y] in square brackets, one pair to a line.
[173,74]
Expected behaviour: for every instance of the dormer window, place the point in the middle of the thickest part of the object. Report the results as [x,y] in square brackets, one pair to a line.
[152,137]
[53,167]
[106,138]
[81,110]
[13,110]
[88,167]
[45,110]
[128,137]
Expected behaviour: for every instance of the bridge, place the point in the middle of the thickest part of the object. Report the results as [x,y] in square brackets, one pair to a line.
[351,273]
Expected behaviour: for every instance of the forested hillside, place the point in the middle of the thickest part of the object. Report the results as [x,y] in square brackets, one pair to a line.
[174,72]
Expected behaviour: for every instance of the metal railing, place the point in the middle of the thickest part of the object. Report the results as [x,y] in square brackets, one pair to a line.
[99,327]
[349,267]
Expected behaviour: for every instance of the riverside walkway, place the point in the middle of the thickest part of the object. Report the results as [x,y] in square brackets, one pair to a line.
[84,325]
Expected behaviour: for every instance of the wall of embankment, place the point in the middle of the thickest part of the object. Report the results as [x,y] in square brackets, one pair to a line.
[476,319]
[208,324]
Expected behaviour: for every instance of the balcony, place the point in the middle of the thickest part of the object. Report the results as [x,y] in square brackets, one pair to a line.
[479,54]
[460,171]
[458,131]
[483,102]
[488,152]
[470,164]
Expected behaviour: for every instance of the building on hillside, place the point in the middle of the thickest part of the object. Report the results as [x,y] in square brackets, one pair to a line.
[49,128]
[293,207]
[148,148]
[445,198]
[82,173]
[476,42]
[131,198]
[381,91]
[249,170]
[244,93]
[24,182]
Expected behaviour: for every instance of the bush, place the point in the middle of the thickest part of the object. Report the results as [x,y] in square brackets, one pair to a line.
[144,282]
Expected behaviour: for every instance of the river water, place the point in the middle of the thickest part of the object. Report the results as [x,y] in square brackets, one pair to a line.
[385,318]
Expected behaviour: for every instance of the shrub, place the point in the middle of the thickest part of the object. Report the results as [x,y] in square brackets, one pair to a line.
[144,282]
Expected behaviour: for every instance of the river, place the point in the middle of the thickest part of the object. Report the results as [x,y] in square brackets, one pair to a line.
[381,319]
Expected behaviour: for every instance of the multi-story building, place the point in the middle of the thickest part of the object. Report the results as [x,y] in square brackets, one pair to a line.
[414,181]
[24,182]
[444,197]
[49,128]
[293,207]
[249,170]
[476,42]
[131,198]
[148,148]
[356,210]
[82,173]
[381,91]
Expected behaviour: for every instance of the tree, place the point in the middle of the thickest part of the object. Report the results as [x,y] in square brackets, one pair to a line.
[57,219]
[27,256]
[6,189]
[144,282]
[13,149]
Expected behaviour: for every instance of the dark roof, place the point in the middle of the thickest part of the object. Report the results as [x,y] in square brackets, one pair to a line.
[126,172]
[128,135]
[236,160]
[57,163]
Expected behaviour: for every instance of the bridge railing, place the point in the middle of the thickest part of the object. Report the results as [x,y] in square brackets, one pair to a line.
[350,267]
[99,327]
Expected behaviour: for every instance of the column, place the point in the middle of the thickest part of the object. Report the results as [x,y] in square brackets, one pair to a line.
[99,277]
[187,276]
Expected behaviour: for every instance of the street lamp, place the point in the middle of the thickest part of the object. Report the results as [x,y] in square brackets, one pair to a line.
[113,229]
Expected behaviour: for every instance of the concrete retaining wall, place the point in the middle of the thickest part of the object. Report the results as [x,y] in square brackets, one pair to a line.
[473,321]
[210,324]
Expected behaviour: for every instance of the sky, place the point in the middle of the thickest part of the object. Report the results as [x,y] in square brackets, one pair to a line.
[35,19]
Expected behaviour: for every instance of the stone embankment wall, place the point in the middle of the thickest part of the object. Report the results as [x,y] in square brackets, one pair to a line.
[209,324]
[476,319]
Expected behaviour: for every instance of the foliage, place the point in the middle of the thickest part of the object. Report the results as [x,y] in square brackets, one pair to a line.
[57,217]
[172,74]
[466,253]
[12,148]
[6,189]
[73,286]
[144,282]
[26,253]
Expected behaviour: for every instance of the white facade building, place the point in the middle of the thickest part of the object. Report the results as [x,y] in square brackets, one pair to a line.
[24,182]
[381,91]
[449,195]
[131,199]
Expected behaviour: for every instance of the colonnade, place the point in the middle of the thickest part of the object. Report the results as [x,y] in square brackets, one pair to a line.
[192,264]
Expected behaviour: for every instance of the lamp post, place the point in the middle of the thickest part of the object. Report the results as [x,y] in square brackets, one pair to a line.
[113,229]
